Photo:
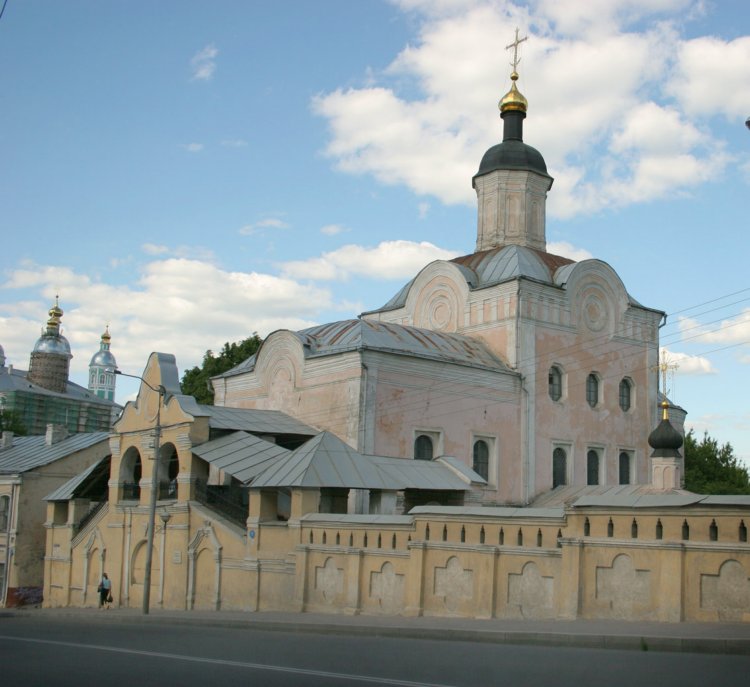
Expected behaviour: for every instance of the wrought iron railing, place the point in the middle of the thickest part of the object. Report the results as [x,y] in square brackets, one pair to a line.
[90,515]
[229,501]
[131,491]
[168,490]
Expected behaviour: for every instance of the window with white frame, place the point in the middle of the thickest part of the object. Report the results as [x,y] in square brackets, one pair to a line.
[626,392]
[592,466]
[427,444]
[555,383]
[4,512]
[625,465]
[592,389]
[559,467]
[483,457]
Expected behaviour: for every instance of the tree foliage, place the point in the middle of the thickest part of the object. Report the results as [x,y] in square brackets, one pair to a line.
[713,469]
[195,381]
[10,421]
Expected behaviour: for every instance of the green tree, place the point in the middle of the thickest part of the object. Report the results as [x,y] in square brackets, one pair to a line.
[713,469]
[195,381]
[10,421]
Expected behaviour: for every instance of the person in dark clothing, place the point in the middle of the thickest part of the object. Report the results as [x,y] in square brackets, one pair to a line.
[105,592]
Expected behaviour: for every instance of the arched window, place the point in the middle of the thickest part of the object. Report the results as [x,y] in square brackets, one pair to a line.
[131,469]
[554,381]
[624,467]
[423,447]
[4,512]
[592,467]
[592,390]
[481,462]
[626,388]
[559,467]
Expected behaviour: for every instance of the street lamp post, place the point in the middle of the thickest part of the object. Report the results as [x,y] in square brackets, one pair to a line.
[154,489]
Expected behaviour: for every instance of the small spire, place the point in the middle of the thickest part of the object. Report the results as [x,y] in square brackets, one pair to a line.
[106,338]
[665,409]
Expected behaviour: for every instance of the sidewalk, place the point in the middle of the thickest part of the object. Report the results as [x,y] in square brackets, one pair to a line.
[718,638]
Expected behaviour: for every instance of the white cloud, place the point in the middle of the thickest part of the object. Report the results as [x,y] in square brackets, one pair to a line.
[388,260]
[568,250]
[154,249]
[712,75]
[732,330]
[268,223]
[234,143]
[203,63]
[192,147]
[165,311]
[609,141]
[423,209]
[687,364]
[332,229]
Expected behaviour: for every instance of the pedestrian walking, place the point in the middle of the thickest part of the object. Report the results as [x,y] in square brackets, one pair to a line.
[105,592]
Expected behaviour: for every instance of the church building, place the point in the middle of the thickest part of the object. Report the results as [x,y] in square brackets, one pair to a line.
[534,370]
[45,394]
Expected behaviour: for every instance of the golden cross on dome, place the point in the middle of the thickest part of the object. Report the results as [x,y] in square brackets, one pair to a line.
[515,45]
[665,366]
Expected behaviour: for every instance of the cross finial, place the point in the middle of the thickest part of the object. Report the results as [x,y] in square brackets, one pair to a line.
[515,45]
[665,366]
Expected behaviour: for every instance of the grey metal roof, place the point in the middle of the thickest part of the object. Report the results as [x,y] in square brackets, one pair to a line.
[67,490]
[28,453]
[324,461]
[631,496]
[327,461]
[240,454]
[420,474]
[463,470]
[358,335]
[359,519]
[490,511]
[255,421]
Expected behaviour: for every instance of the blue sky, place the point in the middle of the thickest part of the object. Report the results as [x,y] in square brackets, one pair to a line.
[193,172]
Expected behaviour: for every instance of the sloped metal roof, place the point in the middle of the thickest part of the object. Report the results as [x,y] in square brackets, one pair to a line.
[464,471]
[240,454]
[359,519]
[254,420]
[631,496]
[28,453]
[493,266]
[357,335]
[67,490]
[490,512]
[420,474]
[324,461]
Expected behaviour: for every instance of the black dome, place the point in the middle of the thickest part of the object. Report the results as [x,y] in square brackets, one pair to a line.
[512,154]
[665,440]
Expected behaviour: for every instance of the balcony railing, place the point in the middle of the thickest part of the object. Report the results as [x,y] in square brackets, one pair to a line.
[131,491]
[88,517]
[229,501]
[168,490]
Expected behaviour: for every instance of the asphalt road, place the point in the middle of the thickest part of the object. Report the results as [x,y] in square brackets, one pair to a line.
[94,651]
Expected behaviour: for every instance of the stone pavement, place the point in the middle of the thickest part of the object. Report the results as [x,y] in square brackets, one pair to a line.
[719,638]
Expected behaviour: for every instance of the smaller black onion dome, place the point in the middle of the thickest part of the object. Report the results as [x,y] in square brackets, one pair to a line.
[665,439]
